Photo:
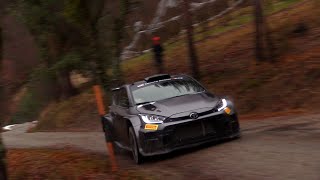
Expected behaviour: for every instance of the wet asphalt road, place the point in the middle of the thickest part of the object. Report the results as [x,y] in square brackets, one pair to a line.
[273,148]
[18,138]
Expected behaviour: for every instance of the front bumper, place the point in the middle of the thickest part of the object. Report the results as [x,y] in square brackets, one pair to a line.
[188,133]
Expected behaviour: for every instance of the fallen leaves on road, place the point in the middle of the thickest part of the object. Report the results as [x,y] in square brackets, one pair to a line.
[41,164]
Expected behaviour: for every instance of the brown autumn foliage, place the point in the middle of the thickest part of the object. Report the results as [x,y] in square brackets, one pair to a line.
[228,64]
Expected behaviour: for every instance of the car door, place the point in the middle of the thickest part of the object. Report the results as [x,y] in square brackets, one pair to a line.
[120,116]
[113,109]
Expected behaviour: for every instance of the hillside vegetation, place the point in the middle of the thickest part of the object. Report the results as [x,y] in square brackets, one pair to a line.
[228,66]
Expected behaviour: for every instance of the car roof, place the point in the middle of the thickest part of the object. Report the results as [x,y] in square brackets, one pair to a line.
[154,78]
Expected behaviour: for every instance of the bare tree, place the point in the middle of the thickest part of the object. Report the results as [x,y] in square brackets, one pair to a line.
[270,44]
[259,23]
[3,171]
[190,40]
[264,44]
[118,32]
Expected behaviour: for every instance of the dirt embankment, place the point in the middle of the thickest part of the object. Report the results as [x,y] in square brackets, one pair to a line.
[228,67]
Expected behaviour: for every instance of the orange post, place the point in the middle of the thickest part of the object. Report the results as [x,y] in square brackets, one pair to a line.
[102,112]
[114,165]
[99,99]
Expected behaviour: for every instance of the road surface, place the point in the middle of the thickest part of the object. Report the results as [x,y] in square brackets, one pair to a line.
[273,148]
[18,138]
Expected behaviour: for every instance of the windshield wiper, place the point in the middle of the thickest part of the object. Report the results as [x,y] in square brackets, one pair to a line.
[179,96]
[186,94]
[148,102]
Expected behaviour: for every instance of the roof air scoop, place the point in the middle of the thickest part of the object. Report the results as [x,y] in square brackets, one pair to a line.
[157,77]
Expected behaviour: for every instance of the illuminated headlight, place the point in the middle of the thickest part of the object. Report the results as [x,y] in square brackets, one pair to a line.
[152,119]
[223,105]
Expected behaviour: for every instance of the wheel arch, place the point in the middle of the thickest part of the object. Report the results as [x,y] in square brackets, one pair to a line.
[107,127]
[135,123]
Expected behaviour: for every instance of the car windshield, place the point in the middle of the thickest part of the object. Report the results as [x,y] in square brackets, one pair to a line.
[165,89]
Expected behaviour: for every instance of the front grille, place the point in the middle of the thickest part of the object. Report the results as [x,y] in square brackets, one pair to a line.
[212,124]
[188,117]
[210,127]
[220,125]
[183,133]
[188,131]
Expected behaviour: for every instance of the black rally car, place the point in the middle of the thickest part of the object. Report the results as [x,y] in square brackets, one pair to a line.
[164,113]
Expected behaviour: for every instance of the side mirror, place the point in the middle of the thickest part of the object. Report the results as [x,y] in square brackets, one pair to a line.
[125,103]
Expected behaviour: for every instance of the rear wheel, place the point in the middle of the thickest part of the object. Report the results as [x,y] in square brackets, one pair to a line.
[137,157]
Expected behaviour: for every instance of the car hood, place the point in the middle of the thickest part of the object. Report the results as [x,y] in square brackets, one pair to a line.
[177,105]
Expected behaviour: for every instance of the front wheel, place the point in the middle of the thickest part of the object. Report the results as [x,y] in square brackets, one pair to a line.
[137,157]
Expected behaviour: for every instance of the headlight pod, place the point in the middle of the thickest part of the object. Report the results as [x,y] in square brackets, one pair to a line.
[152,119]
[222,105]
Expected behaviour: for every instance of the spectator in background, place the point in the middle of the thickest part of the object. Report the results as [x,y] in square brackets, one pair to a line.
[158,54]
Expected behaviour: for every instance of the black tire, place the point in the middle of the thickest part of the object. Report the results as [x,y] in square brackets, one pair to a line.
[239,136]
[137,157]
[236,137]
[117,150]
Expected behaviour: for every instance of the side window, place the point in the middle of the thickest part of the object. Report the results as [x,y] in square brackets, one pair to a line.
[115,98]
[123,99]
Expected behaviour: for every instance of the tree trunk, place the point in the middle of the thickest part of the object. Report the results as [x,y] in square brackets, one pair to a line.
[270,44]
[117,73]
[62,86]
[190,41]
[65,86]
[119,30]
[3,169]
[259,23]
[264,44]
[99,70]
